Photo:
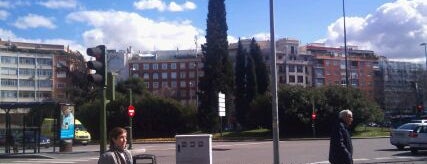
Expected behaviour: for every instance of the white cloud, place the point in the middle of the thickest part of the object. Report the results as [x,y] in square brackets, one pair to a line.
[161,6]
[3,15]
[4,4]
[6,34]
[150,4]
[34,21]
[55,4]
[119,30]
[394,30]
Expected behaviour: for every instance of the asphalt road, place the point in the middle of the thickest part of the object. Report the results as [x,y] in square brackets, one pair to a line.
[367,151]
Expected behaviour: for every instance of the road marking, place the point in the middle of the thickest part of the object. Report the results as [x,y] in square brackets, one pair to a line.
[404,157]
[321,162]
[383,158]
[361,159]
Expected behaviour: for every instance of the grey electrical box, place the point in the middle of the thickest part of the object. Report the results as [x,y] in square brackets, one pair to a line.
[194,149]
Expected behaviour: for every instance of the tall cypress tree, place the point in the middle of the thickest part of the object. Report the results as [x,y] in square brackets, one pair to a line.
[260,68]
[240,80]
[218,73]
[251,77]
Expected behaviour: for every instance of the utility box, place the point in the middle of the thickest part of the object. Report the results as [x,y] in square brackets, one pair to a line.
[194,149]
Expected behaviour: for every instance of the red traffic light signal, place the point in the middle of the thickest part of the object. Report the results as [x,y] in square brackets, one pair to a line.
[131,110]
[99,65]
[420,107]
[313,116]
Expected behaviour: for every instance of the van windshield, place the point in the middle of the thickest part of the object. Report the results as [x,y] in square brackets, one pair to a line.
[80,127]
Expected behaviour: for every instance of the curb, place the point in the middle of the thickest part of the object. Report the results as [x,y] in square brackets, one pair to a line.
[38,156]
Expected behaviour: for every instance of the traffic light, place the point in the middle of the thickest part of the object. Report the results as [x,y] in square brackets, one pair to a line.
[420,108]
[99,65]
[313,115]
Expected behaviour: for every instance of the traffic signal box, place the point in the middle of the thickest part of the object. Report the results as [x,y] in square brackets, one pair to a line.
[99,65]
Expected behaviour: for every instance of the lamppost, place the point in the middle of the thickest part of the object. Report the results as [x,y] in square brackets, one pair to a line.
[345,45]
[425,51]
[275,115]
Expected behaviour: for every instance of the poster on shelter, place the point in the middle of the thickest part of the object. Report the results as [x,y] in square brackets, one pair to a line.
[67,121]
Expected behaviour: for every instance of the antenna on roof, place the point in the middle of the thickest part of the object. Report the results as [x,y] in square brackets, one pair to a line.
[195,42]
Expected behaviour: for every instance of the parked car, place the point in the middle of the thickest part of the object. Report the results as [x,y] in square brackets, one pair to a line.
[399,137]
[418,121]
[418,140]
[30,140]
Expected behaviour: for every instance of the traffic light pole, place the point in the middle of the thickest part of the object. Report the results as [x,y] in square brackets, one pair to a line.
[130,120]
[103,122]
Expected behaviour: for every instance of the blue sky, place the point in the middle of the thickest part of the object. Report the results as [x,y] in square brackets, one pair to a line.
[393,28]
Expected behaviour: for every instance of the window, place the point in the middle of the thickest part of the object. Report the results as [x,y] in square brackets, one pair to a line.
[9,60]
[155,66]
[165,84]
[45,83]
[173,75]
[182,84]
[173,65]
[26,83]
[26,72]
[300,79]
[9,82]
[291,68]
[26,94]
[43,61]
[155,84]
[8,71]
[26,60]
[61,74]
[164,75]
[299,69]
[60,85]
[173,84]
[47,72]
[155,76]
[135,67]
[291,79]
[165,66]
[181,65]
[9,94]
[146,66]
[146,76]
[147,84]
[191,74]
[182,75]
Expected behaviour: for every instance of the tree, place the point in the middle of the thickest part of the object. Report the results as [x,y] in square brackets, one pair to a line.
[217,67]
[251,80]
[262,78]
[240,88]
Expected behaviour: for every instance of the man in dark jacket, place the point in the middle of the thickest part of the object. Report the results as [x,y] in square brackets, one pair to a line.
[341,148]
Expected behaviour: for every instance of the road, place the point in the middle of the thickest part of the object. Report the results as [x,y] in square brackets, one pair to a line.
[257,152]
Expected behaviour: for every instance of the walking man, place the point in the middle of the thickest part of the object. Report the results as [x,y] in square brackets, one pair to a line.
[341,148]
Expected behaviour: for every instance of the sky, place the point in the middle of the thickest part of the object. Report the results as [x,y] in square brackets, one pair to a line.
[391,28]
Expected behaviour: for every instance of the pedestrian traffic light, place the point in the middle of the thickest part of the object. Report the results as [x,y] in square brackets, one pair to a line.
[99,65]
[420,108]
[313,115]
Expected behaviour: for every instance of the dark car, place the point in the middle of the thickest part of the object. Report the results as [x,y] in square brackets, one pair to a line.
[30,140]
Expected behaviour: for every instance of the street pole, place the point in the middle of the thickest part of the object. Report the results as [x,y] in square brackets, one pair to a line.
[103,122]
[275,120]
[130,120]
[425,51]
[345,46]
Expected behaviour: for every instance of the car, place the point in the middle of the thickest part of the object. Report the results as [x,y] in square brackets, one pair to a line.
[30,140]
[418,139]
[399,137]
[418,121]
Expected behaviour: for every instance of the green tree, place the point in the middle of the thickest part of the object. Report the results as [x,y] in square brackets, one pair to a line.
[251,80]
[217,66]
[262,78]
[240,82]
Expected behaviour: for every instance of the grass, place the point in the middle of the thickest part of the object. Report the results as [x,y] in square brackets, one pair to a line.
[364,131]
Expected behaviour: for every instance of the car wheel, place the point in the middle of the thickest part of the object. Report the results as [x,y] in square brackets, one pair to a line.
[400,147]
[414,151]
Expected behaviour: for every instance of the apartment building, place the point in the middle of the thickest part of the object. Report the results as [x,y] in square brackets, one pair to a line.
[397,84]
[329,67]
[172,74]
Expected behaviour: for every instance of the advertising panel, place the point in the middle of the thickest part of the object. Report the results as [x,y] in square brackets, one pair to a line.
[67,121]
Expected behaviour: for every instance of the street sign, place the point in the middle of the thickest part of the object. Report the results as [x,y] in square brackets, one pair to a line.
[131,110]
[221,104]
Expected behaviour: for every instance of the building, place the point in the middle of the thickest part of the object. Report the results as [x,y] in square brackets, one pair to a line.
[329,67]
[172,74]
[398,86]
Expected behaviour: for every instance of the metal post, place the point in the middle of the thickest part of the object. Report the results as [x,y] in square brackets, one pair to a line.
[345,46]
[275,120]
[103,122]
[425,51]
[130,120]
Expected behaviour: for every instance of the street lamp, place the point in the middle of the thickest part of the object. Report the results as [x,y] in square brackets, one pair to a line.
[425,51]
[345,46]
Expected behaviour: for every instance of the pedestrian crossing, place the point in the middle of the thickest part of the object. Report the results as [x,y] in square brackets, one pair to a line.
[52,161]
